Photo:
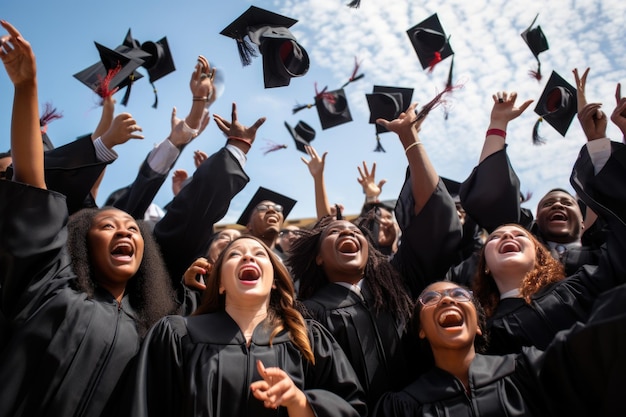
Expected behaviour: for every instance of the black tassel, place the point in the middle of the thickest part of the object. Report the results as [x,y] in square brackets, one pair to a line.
[449,83]
[354,4]
[156,97]
[358,77]
[246,52]
[299,107]
[126,95]
[537,140]
[379,146]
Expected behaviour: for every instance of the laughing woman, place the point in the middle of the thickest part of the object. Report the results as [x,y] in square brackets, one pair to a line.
[245,351]
[77,296]
[462,381]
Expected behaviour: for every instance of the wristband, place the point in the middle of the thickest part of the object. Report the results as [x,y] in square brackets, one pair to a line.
[411,146]
[238,139]
[496,132]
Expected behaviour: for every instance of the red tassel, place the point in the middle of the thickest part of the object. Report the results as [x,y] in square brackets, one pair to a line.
[103,86]
[436,101]
[436,59]
[49,114]
[273,147]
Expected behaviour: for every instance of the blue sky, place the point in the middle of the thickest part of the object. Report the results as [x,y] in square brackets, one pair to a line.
[490,55]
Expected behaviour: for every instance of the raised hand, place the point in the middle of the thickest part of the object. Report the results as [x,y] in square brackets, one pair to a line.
[17,56]
[200,267]
[123,128]
[504,109]
[241,135]
[315,164]
[581,82]
[368,181]
[182,133]
[619,114]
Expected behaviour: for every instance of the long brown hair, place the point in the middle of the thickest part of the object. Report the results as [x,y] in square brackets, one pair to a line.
[547,271]
[282,312]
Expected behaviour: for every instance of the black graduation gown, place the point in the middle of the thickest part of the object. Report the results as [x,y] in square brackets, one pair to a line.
[373,341]
[584,373]
[201,366]
[562,304]
[491,196]
[186,229]
[62,353]
[498,386]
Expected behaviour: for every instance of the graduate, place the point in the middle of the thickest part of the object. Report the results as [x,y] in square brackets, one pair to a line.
[363,296]
[76,297]
[245,351]
[462,381]
[524,290]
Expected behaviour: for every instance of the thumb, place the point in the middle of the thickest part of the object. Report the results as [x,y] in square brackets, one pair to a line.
[173,119]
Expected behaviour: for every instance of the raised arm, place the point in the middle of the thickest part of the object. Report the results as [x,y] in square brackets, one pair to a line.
[502,113]
[367,179]
[26,143]
[316,168]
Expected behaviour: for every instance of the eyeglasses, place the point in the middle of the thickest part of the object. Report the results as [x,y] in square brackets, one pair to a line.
[430,298]
[265,207]
[286,232]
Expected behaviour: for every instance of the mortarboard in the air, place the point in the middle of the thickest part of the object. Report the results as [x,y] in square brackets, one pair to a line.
[387,103]
[430,42]
[264,194]
[537,42]
[302,134]
[159,63]
[132,47]
[114,69]
[283,57]
[332,108]
[557,106]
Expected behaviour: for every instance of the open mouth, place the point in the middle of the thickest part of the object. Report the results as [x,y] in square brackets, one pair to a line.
[510,246]
[558,216]
[122,249]
[249,273]
[450,318]
[348,246]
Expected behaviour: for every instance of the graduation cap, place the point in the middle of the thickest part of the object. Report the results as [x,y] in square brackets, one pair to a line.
[264,194]
[302,134]
[557,106]
[387,103]
[332,108]
[132,47]
[115,70]
[283,57]
[430,42]
[159,63]
[537,42]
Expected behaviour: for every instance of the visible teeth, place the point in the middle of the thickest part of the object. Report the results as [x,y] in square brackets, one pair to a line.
[450,318]
[509,247]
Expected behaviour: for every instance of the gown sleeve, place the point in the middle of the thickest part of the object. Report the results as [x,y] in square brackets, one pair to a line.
[430,239]
[186,228]
[32,227]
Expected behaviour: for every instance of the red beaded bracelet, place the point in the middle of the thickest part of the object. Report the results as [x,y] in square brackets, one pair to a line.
[496,132]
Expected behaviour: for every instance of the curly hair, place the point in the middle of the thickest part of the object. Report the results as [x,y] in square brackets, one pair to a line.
[481,341]
[150,290]
[547,271]
[384,281]
[282,312]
